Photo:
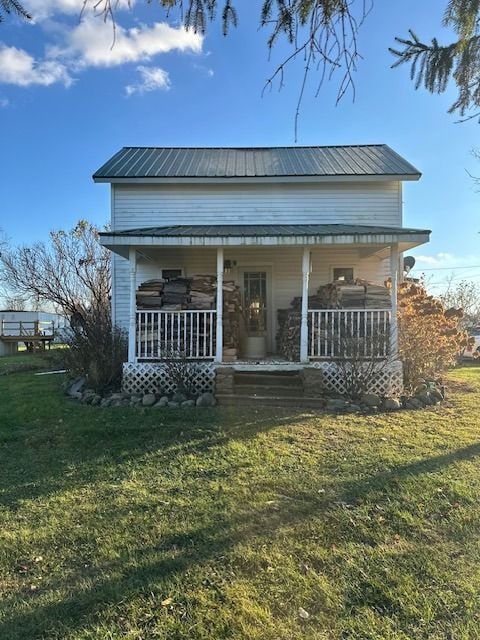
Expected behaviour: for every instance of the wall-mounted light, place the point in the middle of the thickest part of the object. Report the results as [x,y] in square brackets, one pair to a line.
[227,267]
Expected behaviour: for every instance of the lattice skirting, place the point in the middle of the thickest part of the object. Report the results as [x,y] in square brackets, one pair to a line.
[388,381]
[152,378]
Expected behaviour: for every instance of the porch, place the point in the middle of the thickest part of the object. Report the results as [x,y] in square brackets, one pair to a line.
[270,265]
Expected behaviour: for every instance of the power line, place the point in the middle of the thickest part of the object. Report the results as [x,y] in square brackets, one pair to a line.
[472,266]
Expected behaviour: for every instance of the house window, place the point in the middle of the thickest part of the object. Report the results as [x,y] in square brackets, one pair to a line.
[343,273]
[169,274]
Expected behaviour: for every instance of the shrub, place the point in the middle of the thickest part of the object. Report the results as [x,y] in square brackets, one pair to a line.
[430,337]
[97,350]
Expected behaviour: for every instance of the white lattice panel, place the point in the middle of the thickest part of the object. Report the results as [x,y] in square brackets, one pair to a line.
[153,378]
[388,382]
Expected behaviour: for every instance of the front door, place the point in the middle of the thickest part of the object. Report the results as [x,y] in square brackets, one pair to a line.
[255,283]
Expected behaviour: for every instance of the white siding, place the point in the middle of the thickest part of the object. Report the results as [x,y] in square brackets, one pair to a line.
[136,206]
[285,264]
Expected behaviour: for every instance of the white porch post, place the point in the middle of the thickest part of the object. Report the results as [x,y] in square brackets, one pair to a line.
[394,263]
[219,345]
[132,325]
[304,325]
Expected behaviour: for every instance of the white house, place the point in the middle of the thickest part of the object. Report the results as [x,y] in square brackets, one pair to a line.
[270,224]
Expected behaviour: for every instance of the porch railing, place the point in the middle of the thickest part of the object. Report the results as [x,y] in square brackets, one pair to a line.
[189,334]
[27,328]
[349,333]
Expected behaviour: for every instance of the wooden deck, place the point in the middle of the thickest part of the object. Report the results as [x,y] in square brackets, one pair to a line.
[26,331]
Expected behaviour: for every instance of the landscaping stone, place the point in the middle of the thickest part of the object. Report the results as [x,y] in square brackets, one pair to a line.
[96,400]
[163,402]
[206,400]
[179,397]
[149,399]
[392,404]
[437,395]
[172,404]
[414,403]
[371,400]
[337,404]
[76,386]
[188,403]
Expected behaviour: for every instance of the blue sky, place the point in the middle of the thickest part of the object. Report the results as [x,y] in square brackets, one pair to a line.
[68,102]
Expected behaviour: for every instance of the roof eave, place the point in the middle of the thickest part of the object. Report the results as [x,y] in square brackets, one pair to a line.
[259,179]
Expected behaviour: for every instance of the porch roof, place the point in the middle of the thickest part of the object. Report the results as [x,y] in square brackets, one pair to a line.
[265,235]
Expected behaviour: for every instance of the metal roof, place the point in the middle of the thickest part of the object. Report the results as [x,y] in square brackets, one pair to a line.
[255,162]
[262,230]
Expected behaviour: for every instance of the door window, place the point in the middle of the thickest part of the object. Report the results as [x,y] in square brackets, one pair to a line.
[255,291]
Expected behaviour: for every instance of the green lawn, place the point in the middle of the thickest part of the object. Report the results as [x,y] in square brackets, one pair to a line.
[122,525]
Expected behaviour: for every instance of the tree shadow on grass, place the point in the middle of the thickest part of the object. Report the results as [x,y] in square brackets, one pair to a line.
[79,445]
[148,566]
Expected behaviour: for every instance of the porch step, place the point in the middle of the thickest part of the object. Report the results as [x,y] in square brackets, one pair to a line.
[270,391]
[240,400]
[278,378]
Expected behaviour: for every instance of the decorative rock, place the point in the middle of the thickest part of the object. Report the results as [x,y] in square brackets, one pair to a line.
[149,399]
[206,400]
[188,403]
[424,398]
[392,404]
[337,404]
[76,386]
[414,403]
[371,400]
[163,402]
[437,395]
[173,405]
[179,397]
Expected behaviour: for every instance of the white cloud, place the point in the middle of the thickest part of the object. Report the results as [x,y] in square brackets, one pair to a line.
[152,78]
[20,68]
[93,43]
[43,9]
[437,260]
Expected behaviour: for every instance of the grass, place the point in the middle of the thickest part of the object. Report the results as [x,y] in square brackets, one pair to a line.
[122,525]
[23,361]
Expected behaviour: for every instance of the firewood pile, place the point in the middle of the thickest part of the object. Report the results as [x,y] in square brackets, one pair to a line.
[347,295]
[197,293]
[232,317]
[335,295]
[288,334]
[175,294]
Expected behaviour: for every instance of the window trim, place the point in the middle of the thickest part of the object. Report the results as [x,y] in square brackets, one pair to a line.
[341,266]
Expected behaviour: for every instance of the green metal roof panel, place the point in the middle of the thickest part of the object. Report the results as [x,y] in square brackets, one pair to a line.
[263,230]
[247,162]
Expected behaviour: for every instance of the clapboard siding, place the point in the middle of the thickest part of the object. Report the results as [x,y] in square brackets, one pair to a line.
[285,264]
[136,206]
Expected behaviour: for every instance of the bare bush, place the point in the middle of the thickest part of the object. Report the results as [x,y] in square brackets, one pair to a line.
[363,360]
[97,350]
[181,372]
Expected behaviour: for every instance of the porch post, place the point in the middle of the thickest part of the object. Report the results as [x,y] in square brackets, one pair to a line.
[304,325]
[394,263]
[219,344]
[132,324]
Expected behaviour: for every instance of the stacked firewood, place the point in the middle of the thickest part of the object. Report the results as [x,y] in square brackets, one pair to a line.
[232,318]
[336,295]
[149,294]
[288,334]
[199,293]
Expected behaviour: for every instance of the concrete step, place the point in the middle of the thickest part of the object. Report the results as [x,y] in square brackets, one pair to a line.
[271,391]
[237,400]
[281,378]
